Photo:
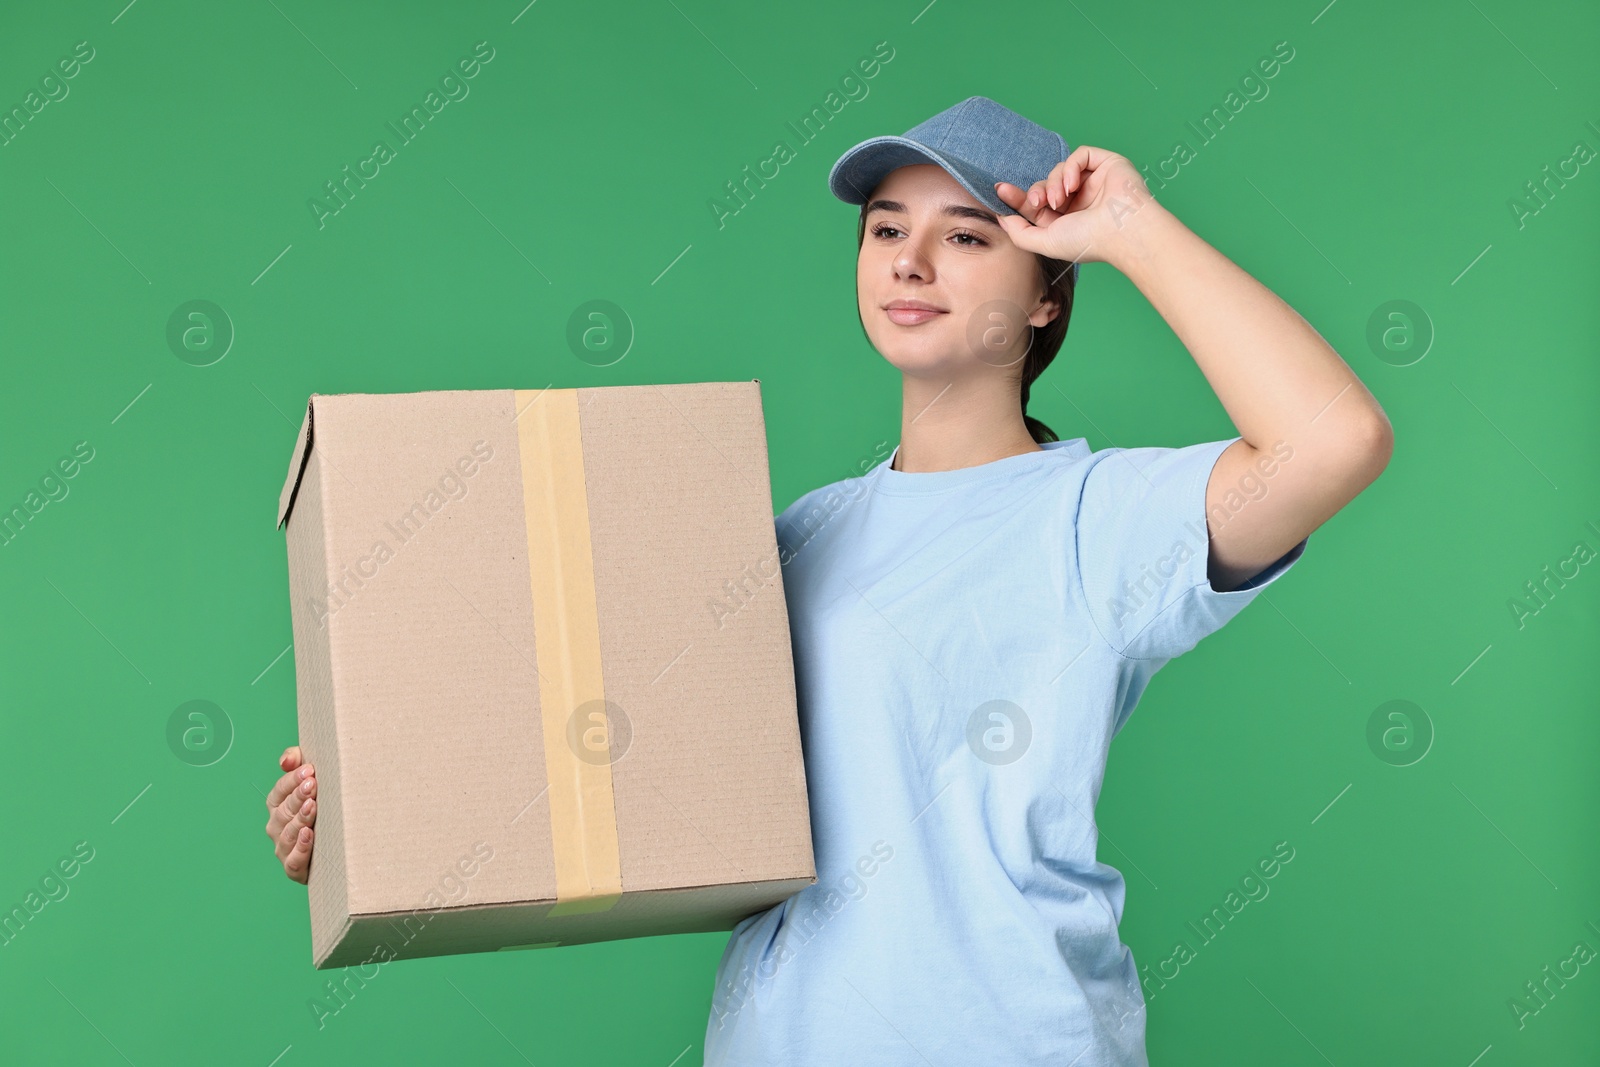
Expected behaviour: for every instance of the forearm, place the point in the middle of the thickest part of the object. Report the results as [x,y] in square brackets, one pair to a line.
[1274,374]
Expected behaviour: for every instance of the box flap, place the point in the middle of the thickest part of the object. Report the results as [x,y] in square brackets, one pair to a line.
[297,464]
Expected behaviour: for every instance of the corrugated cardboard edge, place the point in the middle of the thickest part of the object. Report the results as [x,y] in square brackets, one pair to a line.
[464,929]
[297,464]
[306,541]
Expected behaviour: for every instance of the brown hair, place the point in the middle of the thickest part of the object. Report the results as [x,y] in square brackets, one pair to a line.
[1058,284]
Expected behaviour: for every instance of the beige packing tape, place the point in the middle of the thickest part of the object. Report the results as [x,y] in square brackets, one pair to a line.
[583,822]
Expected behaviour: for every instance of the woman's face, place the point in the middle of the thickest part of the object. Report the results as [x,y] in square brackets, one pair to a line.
[928,240]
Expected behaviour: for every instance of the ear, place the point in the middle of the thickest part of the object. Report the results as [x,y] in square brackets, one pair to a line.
[1045,313]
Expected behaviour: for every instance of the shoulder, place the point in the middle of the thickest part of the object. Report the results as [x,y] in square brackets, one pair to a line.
[1117,480]
[830,496]
[812,511]
[1140,462]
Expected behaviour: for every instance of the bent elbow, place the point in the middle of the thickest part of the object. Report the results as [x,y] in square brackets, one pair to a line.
[1379,443]
[1368,448]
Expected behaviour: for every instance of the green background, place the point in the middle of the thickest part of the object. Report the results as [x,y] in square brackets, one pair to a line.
[1382,165]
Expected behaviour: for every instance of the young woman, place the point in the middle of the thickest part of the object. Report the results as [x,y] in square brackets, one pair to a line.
[977,616]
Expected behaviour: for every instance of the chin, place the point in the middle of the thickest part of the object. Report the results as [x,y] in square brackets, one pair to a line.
[917,356]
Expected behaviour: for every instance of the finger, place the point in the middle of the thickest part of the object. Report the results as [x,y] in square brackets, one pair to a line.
[1035,207]
[291,758]
[1036,199]
[1033,213]
[297,864]
[1075,178]
[1084,161]
[1023,234]
[291,804]
[1066,180]
[1044,214]
[1057,185]
[1012,195]
[288,833]
[286,784]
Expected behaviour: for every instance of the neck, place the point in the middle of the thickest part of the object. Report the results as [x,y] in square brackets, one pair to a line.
[947,425]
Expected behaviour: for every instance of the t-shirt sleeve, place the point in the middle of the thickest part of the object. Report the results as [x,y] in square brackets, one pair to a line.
[1143,546]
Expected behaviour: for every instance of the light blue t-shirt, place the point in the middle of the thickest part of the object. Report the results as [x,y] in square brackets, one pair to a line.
[966,645]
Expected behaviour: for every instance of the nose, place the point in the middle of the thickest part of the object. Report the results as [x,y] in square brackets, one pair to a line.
[911,262]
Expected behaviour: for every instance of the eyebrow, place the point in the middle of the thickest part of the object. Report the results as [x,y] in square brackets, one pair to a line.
[961,211]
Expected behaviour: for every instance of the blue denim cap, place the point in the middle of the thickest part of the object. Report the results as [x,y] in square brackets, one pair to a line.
[978,141]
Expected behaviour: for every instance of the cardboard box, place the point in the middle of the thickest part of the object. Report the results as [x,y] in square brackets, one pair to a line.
[543,667]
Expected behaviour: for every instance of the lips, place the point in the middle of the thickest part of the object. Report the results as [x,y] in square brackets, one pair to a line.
[911,312]
[911,316]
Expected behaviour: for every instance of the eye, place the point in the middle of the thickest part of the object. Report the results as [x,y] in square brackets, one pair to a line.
[882,229]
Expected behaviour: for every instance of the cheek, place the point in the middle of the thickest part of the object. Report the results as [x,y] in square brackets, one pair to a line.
[1000,282]
[866,276]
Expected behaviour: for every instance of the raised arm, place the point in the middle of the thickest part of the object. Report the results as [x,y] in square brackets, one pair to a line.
[1313,435]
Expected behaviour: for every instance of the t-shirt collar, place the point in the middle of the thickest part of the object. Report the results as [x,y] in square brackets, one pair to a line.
[904,482]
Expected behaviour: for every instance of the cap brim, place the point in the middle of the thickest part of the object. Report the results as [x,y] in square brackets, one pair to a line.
[856,173]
